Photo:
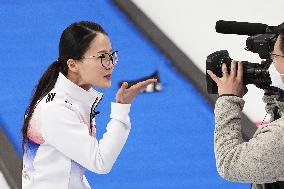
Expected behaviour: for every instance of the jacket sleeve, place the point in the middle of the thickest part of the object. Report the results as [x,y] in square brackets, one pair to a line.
[260,160]
[61,128]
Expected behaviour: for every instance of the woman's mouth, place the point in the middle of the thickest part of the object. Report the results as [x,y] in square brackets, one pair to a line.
[108,76]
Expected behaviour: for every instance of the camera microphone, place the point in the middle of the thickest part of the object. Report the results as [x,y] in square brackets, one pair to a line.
[240,28]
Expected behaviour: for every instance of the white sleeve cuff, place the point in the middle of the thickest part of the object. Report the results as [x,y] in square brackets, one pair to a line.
[120,112]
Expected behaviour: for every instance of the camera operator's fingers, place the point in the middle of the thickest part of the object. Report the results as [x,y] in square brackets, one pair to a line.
[224,70]
[233,69]
[213,76]
[240,71]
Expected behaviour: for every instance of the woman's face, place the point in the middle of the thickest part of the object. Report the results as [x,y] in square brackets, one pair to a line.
[90,68]
[278,58]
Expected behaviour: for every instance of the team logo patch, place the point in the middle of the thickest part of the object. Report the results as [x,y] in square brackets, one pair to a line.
[50,97]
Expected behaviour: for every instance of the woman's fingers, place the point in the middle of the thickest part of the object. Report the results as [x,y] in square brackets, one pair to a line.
[141,85]
[122,88]
[124,85]
[148,82]
[121,91]
[126,96]
[213,76]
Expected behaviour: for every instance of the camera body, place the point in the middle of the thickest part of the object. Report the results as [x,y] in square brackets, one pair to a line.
[253,73]
[262,44]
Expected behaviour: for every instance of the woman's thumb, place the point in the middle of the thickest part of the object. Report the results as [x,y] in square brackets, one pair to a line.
[124,85]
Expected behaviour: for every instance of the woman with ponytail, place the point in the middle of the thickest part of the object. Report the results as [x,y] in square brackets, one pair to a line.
[59,130]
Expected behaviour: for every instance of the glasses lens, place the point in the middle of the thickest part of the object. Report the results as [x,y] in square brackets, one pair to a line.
[107,59]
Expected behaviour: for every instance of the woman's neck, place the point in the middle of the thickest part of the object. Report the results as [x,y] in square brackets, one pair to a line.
[78,81]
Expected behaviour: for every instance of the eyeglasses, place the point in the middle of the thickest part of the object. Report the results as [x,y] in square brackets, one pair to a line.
[272,55]
[107,59]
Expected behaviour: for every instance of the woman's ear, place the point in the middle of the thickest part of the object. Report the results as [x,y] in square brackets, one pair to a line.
[72,65]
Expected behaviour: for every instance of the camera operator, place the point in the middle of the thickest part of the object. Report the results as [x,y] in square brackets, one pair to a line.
[260,160]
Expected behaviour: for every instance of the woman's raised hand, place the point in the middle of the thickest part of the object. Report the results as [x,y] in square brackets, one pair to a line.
[126,96]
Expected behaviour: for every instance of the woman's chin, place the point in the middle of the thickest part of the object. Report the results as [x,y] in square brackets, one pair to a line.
[106,85]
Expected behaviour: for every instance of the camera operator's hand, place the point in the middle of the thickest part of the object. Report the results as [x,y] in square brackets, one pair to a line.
[230,83]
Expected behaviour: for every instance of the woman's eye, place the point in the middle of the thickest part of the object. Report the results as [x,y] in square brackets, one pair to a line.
[102,56]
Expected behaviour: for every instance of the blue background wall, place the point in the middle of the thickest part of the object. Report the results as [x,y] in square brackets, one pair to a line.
[171,142]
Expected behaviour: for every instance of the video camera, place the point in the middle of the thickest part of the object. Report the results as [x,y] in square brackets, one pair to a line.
[262,39]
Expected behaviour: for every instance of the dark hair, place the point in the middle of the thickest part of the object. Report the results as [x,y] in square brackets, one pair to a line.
[74,42]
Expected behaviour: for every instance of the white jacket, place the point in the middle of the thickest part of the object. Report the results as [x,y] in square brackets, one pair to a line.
[61,145]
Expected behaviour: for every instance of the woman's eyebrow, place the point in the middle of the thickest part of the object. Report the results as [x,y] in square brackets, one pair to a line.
[104,51]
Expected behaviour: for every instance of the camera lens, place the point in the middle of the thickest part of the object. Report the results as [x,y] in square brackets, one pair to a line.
[253,73]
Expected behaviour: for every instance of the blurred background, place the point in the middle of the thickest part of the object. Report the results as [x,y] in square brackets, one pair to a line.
[171,142]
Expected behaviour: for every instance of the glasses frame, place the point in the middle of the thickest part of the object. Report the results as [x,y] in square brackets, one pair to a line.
[109,60]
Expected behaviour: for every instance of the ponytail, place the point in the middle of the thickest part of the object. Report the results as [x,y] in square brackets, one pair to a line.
[44,86]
